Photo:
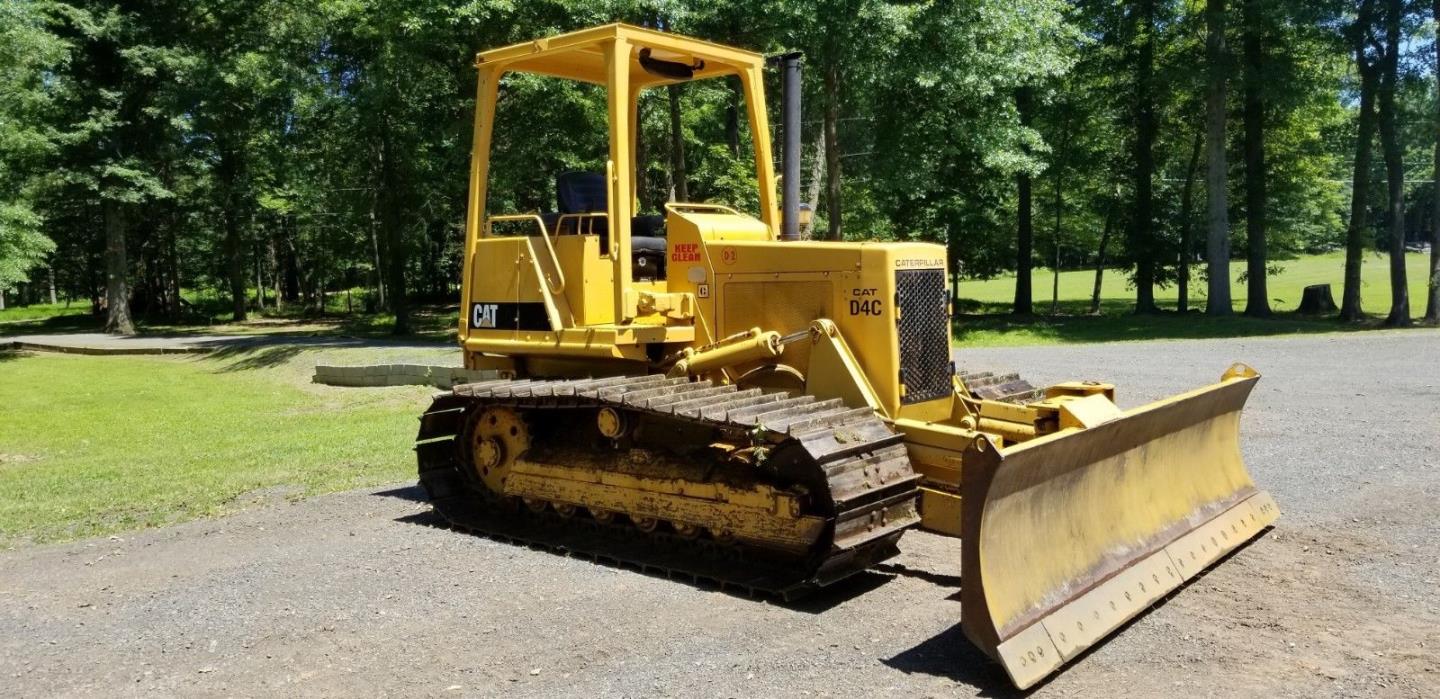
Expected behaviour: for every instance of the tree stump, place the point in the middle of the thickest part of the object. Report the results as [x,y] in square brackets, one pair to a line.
[1317,300]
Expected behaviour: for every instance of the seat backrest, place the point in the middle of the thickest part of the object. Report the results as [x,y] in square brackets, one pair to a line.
[581,193]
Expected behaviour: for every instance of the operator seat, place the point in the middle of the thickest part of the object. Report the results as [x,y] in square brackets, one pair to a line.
[585,192]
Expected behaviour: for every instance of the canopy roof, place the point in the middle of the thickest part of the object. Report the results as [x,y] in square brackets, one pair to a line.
[580,56]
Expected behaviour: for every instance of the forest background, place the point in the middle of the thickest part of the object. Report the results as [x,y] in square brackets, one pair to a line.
[176,161]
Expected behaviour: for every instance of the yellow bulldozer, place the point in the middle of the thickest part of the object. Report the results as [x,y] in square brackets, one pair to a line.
[703,394]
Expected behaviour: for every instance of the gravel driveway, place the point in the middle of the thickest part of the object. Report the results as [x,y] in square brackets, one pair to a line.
[355,594]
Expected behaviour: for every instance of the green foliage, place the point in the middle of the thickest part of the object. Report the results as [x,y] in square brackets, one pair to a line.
[326,140]
[22,245]
[949,141]
[25,141]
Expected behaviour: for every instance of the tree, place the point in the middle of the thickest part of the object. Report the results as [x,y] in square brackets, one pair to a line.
[1141,241]
[406,94]
[1432,300]
[1217,237]
[1024,222]
[947,143]
[236,86]
[26,49]
[1394,163]
[1061,153]
[1186,226]
[1257,299]
[1361,38]
[847,42]
[834,179]
[119,110]
[310,150]
[678,174]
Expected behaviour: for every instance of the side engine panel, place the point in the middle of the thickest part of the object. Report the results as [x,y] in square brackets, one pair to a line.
[889,301]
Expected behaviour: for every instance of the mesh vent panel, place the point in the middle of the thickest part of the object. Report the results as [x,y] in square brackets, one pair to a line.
[924,328]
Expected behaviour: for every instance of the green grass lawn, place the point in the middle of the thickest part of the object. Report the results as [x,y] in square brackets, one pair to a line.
[428,322]
[984,307]
[93,445]
[46,317]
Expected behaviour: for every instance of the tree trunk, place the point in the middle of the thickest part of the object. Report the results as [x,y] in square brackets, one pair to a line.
[1025,243]
[259,281]
[834,179]
[1056,160]
[50,274]
[1142,233]
[1356,231]
[169,256]
[1257,297]
[817,177]
[1394,165]
[1432,298]
[1055,282]
[117,288]
[642,157]
[394,235]
[678,177]
[1100,259]
[1217,236]
[1187,198]
[952,259]
[93,284]
[376,302]
[290,262]
[272,263]
[234,266]
[296,274]
[732,117]
[1055,242]
[228,172]
[435,246]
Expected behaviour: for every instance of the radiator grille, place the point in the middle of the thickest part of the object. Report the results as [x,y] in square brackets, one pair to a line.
[924,329]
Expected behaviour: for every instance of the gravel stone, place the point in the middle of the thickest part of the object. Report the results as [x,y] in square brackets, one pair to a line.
[352,594]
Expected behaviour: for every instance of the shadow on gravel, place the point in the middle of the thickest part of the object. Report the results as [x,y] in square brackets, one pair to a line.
[951,655]
[920,574]
[413,493]
[814,602]
[825,598]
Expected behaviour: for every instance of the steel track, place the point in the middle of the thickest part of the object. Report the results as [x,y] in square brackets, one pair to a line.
[870,500]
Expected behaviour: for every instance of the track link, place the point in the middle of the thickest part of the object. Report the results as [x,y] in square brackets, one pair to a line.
[869,489]
[1006,388]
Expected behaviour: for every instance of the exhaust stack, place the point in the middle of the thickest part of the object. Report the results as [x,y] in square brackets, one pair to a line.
[790,148]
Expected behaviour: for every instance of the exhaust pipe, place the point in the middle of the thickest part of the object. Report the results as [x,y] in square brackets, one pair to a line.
[790,148]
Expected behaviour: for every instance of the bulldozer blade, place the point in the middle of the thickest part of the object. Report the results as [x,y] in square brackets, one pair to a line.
[1068,536]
